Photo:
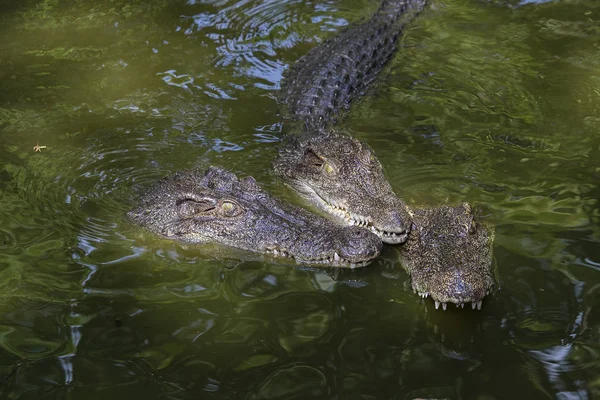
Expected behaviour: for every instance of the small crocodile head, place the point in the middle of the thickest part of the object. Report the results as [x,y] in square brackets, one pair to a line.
[449,256]
[215,206]
[343,177]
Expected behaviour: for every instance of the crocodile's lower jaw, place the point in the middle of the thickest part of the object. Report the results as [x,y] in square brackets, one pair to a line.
[327,261]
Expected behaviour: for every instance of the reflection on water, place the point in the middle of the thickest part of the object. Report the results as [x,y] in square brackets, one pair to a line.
[495,103]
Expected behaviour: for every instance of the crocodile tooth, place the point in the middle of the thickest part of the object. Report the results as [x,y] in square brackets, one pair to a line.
[479,305]
[473,305]
[462,305]
[275,252]
[336,257]
[352,265]
[444,306]
[437,304]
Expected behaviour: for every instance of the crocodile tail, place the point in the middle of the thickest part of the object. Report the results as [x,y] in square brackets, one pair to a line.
[324,82]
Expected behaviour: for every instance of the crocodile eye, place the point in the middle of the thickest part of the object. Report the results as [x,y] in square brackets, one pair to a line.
[311,158]
[230,209]
[329,169]
[472,227]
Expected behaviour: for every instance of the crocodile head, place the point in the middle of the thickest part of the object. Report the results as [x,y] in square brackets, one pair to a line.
[343,177]
[449,256]
[215,206]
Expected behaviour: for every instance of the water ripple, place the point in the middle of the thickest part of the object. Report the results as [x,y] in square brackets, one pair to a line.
[249,34]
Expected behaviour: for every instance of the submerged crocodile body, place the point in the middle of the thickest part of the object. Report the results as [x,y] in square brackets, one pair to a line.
[332,75]
[215,206]
[448,253]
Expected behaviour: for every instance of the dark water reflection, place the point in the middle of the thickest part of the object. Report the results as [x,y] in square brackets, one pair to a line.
[496,103]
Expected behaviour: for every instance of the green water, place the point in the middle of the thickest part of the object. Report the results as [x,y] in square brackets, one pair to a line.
[492,102]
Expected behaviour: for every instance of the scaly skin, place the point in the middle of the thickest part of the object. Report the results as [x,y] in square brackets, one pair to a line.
[323,83]
[449,256]
[217,207]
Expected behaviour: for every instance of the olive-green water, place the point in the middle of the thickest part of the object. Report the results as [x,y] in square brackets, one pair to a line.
[492,102]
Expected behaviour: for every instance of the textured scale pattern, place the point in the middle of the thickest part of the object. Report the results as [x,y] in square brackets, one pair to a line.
[324,82]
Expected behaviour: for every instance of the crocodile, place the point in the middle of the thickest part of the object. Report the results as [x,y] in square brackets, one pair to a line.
[447,251]
[337,173]
[215,206]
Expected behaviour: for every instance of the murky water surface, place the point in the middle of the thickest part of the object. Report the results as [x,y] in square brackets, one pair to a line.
[492,102]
